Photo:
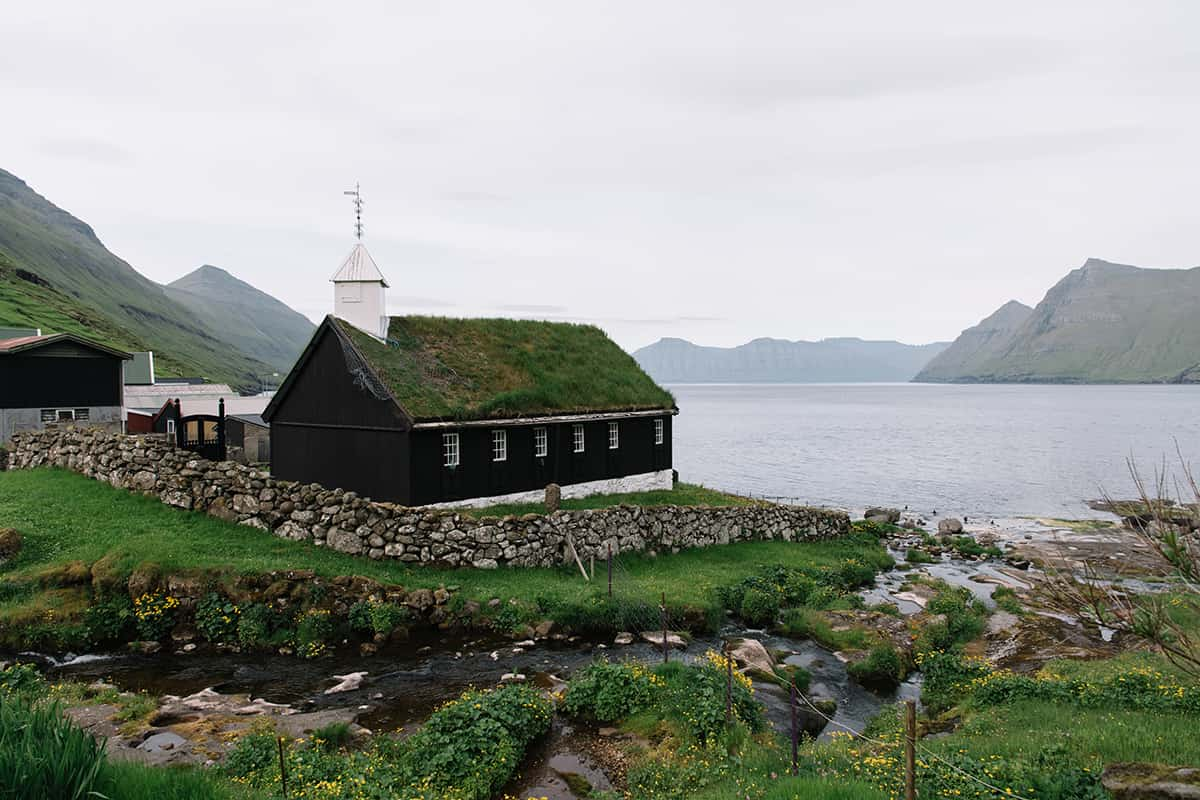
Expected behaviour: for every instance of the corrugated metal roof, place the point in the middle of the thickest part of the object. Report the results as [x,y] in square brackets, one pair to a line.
[359,266]
[23,343]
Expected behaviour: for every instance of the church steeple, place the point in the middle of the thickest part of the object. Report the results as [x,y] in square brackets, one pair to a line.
[359,295]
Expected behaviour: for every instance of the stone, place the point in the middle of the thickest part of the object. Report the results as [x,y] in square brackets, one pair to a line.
[512,677]
[950,526]
[344,541]
[158,742]
[752,656]
[553,498]
[545,629]
[674,640]
[878,514]
[623,638]
[420,599]
[1130,781]
[10,543]
[347,683]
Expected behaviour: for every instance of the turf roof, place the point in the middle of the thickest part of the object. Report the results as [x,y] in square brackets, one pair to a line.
[441,368]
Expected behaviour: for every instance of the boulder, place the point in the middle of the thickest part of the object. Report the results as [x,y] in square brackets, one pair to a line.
[950,526]
[1127,781]
[751,655]
[10,543]
[623,638]
[674,640]
[347,683]
[882,515]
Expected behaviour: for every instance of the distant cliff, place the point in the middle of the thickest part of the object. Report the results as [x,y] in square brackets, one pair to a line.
[781,361]
[1102,323]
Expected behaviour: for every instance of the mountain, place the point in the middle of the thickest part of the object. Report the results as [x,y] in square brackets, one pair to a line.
[780,361]
[977,345]
[1102,323]
[258,324]
[56,274]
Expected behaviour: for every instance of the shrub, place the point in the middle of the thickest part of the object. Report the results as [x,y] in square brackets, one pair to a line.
[154,615]
[314,630]
[915,556]
[695,697]
[963,620]
[606,692]
[21,679]
[254,625]
[333,736]
[110,620]
[760,607]
[882,667]
[43,754]
[217,618]
[374,618]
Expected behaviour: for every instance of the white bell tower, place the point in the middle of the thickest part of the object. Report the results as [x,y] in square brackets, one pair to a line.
[359,288]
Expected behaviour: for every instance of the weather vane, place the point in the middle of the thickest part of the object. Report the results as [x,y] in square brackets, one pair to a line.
[358,204]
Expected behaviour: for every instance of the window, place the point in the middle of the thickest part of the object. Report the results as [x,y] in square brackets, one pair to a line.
[48,415]
[614,436]
[499,445]
[541,443]
[65,415]
[170,427]
[577,436]
[450,449]
[81,414]
[658,431]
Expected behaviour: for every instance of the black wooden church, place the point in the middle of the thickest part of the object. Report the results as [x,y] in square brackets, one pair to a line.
[440,410]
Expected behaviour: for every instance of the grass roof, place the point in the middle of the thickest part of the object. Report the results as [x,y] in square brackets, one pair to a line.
[441,368]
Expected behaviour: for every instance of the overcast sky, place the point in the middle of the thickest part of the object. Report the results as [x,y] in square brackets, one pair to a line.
[714,171]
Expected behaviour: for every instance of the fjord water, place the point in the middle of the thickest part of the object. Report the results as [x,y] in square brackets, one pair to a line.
[976,450]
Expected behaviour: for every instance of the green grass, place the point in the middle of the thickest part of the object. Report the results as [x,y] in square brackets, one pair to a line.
[684,494]
[446,368]
[69,522]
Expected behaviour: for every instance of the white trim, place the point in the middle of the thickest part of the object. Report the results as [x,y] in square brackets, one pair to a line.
[544,420]
[644,482]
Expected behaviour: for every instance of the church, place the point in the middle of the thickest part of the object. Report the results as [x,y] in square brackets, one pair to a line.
[455,412]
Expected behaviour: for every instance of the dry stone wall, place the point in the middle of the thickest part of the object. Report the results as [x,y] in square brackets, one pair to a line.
[346,522]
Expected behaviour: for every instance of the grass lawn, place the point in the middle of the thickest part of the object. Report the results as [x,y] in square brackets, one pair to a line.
[65,517]
[684,494]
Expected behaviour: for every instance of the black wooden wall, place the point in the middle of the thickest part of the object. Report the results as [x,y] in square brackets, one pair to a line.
[331,429]
[56,379]
[478,476]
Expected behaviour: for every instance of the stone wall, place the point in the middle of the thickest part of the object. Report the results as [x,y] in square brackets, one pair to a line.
[351,524]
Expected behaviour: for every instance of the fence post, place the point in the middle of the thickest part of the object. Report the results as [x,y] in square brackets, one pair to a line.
[910,750]
[610,570]
[666,648]
[282,769]
[795,729]
[728,683]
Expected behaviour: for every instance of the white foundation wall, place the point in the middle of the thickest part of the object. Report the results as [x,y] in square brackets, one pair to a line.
[644,482]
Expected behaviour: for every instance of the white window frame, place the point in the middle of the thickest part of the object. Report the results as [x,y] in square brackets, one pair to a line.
[579,443]
[170,427]
[541,443]
[450,450]
[500,445]
[659,431]
[614,436]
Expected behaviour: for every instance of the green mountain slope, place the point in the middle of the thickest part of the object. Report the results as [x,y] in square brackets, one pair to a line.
[977,345]
[90,282]
[258,324]
[1102,323]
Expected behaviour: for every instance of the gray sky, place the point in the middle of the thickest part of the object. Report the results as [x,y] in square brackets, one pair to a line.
[715,171]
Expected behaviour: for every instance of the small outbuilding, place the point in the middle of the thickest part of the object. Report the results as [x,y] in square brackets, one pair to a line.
[470,412]
[252,434]
[59,379]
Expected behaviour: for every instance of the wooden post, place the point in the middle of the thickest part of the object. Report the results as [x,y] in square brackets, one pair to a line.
[910,750]
[282,769]
[592,566]
[728,684]
[610,570]
[666,647]
[795,729]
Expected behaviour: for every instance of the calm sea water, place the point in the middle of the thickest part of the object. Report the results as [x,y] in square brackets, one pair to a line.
[973,450]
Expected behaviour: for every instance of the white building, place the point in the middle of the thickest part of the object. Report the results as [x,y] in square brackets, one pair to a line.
[359,293]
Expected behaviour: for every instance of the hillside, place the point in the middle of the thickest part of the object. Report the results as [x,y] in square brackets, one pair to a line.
[977,345]
[1102,323]
[780,361]
[87,284]
[258,324]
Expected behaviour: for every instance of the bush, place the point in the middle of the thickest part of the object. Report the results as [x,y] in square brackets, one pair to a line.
[915,556]
[23,679]
[963,622]
[605,692]
[43,754]
[882,667]
[254,625]
[109,621]
[217,618]
[154,615]
[760,607]
[314,630]
[374,618]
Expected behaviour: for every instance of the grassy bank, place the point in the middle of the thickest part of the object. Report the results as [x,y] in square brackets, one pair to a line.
[683,494]
[70,524]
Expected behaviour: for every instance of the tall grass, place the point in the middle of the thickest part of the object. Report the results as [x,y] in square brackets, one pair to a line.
[43,754]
